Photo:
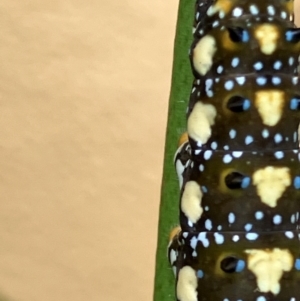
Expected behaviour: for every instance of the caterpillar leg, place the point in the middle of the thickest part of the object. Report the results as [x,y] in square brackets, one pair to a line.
[174,248]
[182,158]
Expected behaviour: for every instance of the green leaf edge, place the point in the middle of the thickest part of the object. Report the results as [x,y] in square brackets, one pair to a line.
[164,287]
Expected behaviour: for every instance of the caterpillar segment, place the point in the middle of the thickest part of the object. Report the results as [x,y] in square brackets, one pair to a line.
[238,166]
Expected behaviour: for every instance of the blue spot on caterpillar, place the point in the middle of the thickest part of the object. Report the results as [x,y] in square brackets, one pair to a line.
[297,182]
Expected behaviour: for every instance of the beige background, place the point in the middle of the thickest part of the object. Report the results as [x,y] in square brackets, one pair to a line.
[84,88]
[83,92]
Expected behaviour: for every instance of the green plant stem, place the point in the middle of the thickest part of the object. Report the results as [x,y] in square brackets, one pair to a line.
[180,90]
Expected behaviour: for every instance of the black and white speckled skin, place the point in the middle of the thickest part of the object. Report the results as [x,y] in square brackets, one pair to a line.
[245,172]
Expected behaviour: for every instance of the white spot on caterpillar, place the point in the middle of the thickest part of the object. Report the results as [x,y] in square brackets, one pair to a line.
[277,65]
[289,234]
[227,159]
[276,80]
[237,154]
[270,106]
[200,122]
[208,224]
[268,267]
[271,183]
[187,284]
[271,10]
[229,85]
[261,80]
[267,36]
[235,238]
[251,236]
[207,154]
[279,155]
[235,62]
[258,65]
[283,15]
[179,169]
[214,145]
[248,227]
[193,242]
[265,133]
[231,218]
[240,80]
[216,24]
[203,54]
[221,14]
[220,69]
[259,215]
[253,9]
[208,86]
[203,239]
[277,219]
[173,256]
[248,140]
[295,80]
[278,138]
[232,133]
[237,12]
[191,201]
[219,238]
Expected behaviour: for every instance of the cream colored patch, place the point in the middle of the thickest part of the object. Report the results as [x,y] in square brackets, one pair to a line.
[271,183]
[220,6]
[187,284]
[203,54]
[200,121]
[191,201]
[268,267]
[270,105]
[267,36]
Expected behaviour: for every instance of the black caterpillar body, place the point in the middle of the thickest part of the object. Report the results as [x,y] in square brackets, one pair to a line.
[239,163]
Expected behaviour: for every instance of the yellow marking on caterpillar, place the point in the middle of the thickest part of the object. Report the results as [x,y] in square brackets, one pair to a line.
[191,201]
[187,284]
[270,106]
[271,183]
[268,267]
[267,36]
[200,121]
[203,54]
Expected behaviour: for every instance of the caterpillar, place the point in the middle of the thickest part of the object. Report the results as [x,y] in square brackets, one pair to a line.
[238,164]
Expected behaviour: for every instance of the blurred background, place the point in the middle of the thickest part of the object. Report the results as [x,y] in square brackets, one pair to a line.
[84,89]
